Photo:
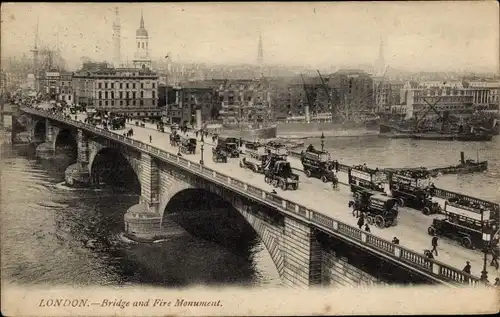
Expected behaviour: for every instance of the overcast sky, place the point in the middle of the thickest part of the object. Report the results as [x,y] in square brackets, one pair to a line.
[418,36]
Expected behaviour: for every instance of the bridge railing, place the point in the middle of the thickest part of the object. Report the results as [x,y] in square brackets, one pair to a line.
[327,224]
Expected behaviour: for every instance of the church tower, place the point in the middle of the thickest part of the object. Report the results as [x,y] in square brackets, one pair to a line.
[116,40]
[380,64]
[260,54]
[141,58]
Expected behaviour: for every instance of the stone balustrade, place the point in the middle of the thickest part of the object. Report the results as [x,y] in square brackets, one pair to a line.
[440,271]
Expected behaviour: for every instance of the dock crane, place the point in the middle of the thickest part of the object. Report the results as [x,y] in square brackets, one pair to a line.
[327,91]
[309,101]
[431,107]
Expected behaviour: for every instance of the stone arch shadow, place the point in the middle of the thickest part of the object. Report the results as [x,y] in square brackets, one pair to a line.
[39,130]
[269,229]
[66,140]
[119,161]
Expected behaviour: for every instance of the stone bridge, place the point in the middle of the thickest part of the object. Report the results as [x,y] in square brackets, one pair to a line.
[307,247]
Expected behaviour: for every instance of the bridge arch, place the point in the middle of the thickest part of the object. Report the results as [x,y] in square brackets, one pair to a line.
[111,166]
[238,222]
[65,141]
[39,130]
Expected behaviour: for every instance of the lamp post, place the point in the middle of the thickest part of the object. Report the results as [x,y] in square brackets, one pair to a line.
[322,141]
[486,237]
[202,143]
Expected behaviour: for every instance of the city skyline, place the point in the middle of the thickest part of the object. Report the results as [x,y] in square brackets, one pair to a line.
[417,36]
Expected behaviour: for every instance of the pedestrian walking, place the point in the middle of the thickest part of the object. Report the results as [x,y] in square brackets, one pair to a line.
[494,259]
[367,228]
[434,245]
[150,138]
[467,267]
[361,221]
[336,166]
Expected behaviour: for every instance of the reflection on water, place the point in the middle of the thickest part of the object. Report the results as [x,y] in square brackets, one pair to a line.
[55,235]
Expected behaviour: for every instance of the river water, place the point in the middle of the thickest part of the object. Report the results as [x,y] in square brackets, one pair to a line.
[381,152]
[51,234]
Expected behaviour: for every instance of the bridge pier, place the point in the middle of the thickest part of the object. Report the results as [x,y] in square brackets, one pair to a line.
[303,255]
[143,220]
[47,150]
[78,174]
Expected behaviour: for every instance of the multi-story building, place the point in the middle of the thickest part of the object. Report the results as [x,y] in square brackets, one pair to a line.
[122,90]
[395,92]
[65,85]
[49,84]
[386,94]
[486,94]
[351,92]
[452,97]
[83,84]
[289,97]
[183,101]
[245,101]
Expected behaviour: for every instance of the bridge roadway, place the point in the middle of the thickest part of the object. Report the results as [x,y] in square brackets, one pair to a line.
[412,225]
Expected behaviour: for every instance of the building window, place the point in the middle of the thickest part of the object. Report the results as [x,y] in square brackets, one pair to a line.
[133,86]
[142,85]
[69,97]
[112,86]
[133,95]
[121,102]
[100,103]
[99,85]
[133,102]
[121,94]
[112,95]
[142,94]
[100,94]
[142,44]
[138,44]
[105,95]
[121,85]
[106,102]
[142,102]
[105,85]
[126,85]
[153,94]
[127,95]
[153,85]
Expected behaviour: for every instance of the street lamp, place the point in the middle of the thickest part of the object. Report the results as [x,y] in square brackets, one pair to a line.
[202,142]
[322,141]
[486,237]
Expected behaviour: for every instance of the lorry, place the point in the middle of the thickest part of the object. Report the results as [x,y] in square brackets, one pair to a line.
[280,174]
[230,145]
[254,156]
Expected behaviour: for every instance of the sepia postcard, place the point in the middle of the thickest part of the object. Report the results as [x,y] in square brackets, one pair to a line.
[250,158]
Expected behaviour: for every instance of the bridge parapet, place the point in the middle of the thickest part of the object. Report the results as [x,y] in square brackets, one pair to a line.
[431,268]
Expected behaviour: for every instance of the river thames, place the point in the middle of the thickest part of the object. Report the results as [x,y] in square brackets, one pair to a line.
[56,235]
